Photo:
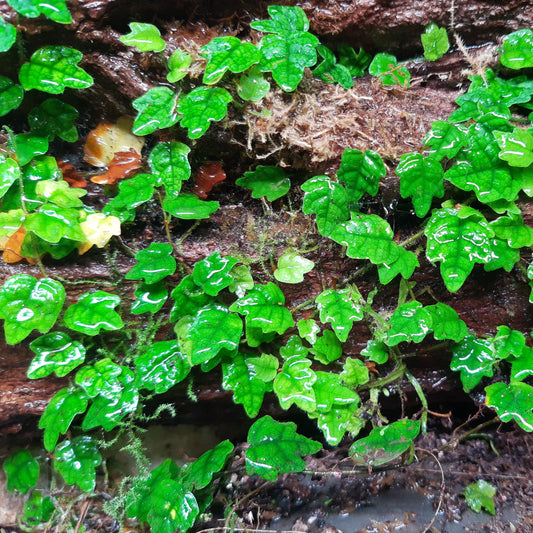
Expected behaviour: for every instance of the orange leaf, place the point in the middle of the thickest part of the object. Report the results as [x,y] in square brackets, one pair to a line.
[71,176]
[206,177]
[12,248]
[123,165]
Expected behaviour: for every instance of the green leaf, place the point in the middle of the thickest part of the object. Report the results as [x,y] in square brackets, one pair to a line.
[284,20]
[422,178]
[202,106]
[11,222]
[355,372]
[9,174]
[27,146]
[512,402]
[341,308]
[336,422]
[153,263]
[227,53]
[178,63]
[145,37]
[241,280]
[264,368]
[53,223]
[22,471]
[376,351]
[330,71]
[518,50]
[11,95]
[161,366]
[385,444]
[327,200]
[212,273]
[516,147]
[480,495]
[55,353]
[214,328]
[54,68]
[330,392]
[170,165]
[503,256]
[53,118]
[248,390]
[101,378]
[513,230]
[355,62]
[276,448]
[189,207]
[474,359]
[269,182]
[508,344]
[131,193]
[149,298]
[55,10]
[76,460]
[60,412]
[308,329]
[361,172]
[458,238]
[411,322]
[435,42]
[157,109]
[522,367]
[188,299]
[37,509]
[386,67]
[327,348]
[252,85]
[27,303]
[59,193]
[405,264]
[94,312]
[292,267]
[8,35]
[264,308]
[445,139]
[446,323]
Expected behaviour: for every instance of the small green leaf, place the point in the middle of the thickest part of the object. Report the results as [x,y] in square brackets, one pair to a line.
[390,73]
[411,322]
[27,303]
[292,267]
[446,323]
[405,264]
[308,329]
[59,414]
[212,274]
[53,223]
[384,444]
[435,42]
[264,368]
[157,109]
[276,448]
[355,372]
[269,182]
[149,298]
[27,146]
[76,460]
[330,392]
[284,20]
[241,280]
[518,50]
[131,193]
[341,308]
[264,308]
[516,147]
[170,165]
[53,118]
[522,367]
[355,62]
[11,95]
[37,509]
[188,299]
[55,353]
[189,207]
[8,35]
[445,139]
[330,71]
[513,230]
[22,471]
[59,193]
[480,495]
[227,53]
[252,86]
[202,106]
[11,222]
[54,68]
[153,263]
[94,312]
[9,174]
[376,351]
[178,63]
[336,422]
[55,10]
[145,37]
[327,348]
[512,402]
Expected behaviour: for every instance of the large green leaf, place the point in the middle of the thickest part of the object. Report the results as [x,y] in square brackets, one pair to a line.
[53,223]
[54,118]
[512,402]
[153,263]
[27,303]
[11,95]
[54,68]
[276,448]
[518,50]
[101,378]
[170,165]
[157,109]
[22,471]
[55,10]
[266,182]
[145,37]
[411,322]
[212,273]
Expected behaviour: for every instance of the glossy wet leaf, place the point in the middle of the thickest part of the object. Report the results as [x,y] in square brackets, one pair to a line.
[292,266]
[308,329]
[518,50]
[60,412]
[361,172]
[76,460]
[212,273]
[405,264]
[458,238]
[376,351]
[330,71]
[513,230]
[446,323]
[38,509]
[55,353]
[189,207]
[294,383]
[241,280]
[8,35]
[264,368]
[53,223]
[385,444]
[94,312]
[445,139]
[10,222]
[9,174]
[269,182]
[435,42]
[283,20]
[328,200]
[202,106]
[156,109]
[188,298]
[11,95]
[276,448]
[422,179]
[22,471]
[27,146]
[503,256]
[27,303]
[153,263]
[248,390]
[327,348]
[355,62]
[178,64]
[512,401]
[411,322]
[98,228]
[145,37]
[161,366]
[170,165]
[263,308]
[60,193]
[54,118]
[480,495]
[55,10]
[386,67]
[131,194]
[149,298]
[101,378]
[516,147]
[341,309]
[335,422]
[227,53]
[54,68]
[508,343]
[330,392]
[214,328]
[355,372]
[252,85]
[522,367]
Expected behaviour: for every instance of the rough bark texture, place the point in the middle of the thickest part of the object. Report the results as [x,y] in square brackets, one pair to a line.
[306,131]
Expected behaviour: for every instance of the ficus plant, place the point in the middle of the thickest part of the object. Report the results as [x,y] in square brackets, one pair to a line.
[219,315]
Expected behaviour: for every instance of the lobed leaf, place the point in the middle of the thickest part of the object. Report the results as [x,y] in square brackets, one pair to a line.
[435,42]
[157,109]
[269,182]
[445,139]
[405,264]
[149,298]
[153,263]
[292,267]
[516,147]
[11,95]
[283,20]
[518,50]
[512,402]
[22,471]
[170,165]
[252,85]
[355,62]
[330,71]
[178,64]
[189,207]
[145,37]
[212,273]
[55,10]
[480,495]
[386,67]
[294,384]
[131,194]
[54,118]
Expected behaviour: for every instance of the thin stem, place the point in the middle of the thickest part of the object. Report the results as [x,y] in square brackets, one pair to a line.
[423,400]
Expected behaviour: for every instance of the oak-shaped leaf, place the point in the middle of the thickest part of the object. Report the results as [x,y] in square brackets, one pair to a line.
[22,471]
[170,165]
[55,10]
[266,182]
[516,147]
[54,118]
[188,298]
[53,223]
[131,193]
[153,263]
[404,264]
[145,37]
[480,495]
[292,266]
[212,273]
[512,401]
[156,109]
[435,42]
[445,139]
[149,298]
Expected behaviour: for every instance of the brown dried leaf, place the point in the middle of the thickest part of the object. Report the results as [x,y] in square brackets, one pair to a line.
[12,248]
[123,165]
[206,177]
[71,176]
